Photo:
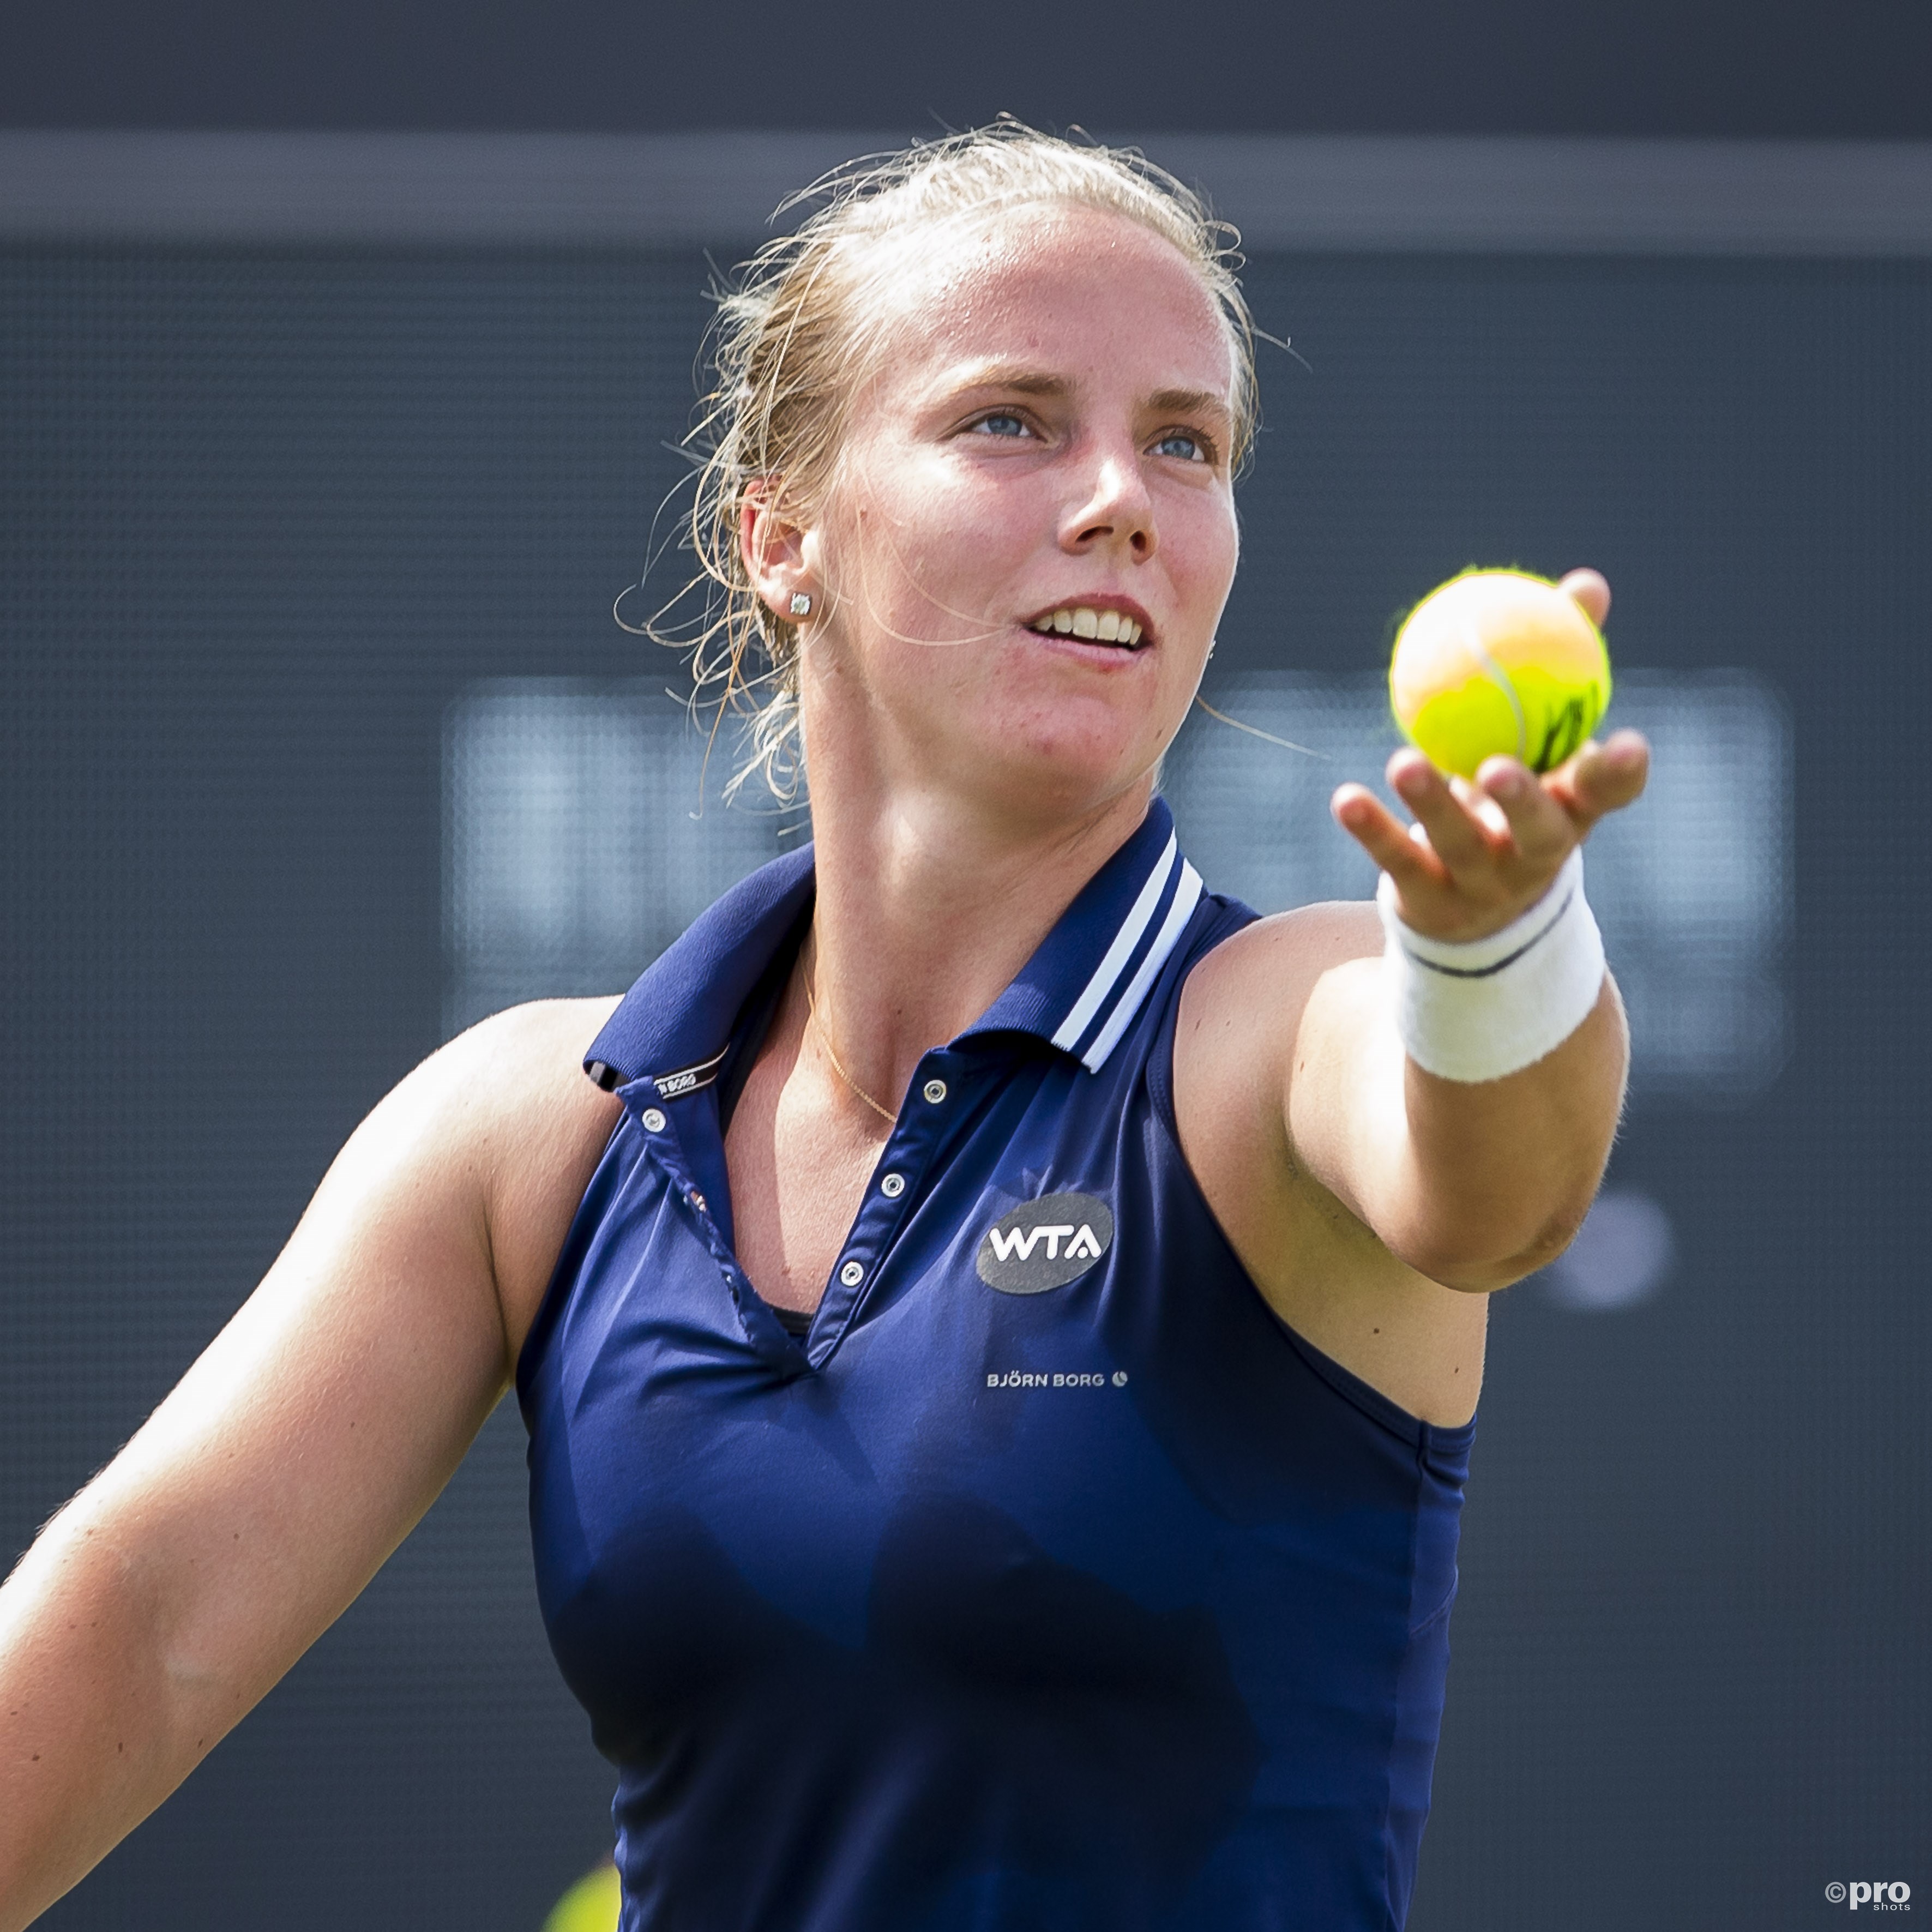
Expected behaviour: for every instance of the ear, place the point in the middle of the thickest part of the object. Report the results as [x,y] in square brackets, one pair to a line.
[772,546]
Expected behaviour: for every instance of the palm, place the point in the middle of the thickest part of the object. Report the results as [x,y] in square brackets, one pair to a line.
[1481,853]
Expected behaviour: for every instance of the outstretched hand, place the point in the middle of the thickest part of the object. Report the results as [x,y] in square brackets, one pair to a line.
[1481,854]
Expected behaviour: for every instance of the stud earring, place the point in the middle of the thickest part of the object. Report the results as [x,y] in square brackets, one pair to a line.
[801,604]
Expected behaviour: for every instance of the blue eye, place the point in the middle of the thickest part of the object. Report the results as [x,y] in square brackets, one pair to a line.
[1179,442]
[1000,423]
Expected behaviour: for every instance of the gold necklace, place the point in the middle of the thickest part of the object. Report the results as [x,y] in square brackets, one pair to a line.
[825,1040]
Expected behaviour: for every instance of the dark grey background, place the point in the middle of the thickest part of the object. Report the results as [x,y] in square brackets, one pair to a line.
[1798,67]
[265,513]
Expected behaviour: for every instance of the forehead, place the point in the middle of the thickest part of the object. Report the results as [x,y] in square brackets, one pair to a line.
[1088,295]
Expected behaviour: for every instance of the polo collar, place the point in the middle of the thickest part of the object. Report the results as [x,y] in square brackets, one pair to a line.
[1080,990]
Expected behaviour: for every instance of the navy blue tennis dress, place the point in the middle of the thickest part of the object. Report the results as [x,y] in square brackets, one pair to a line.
[1048,1582]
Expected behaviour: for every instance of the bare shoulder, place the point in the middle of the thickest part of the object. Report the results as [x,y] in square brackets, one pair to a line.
[1280,956]
[532,1056]
[1316,1264]
[534,1126]
[1239,1012]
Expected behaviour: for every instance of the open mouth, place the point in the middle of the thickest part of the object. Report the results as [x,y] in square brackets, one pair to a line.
[1085,621]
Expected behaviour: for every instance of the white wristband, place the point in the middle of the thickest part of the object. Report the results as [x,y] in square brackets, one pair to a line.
[1480,1008]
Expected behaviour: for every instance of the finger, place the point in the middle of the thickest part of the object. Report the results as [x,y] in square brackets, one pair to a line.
[1459,838]
[1483,809]
[1602,779]
[1591,592]
[1387,840]
[1540,827]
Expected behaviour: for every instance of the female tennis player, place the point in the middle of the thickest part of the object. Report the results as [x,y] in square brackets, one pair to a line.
[1000,1326]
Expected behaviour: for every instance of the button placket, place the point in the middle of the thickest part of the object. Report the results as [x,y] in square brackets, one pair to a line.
[911,1148]
[667,1150]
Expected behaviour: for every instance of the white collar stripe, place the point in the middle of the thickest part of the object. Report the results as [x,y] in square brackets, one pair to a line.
[1186,897]
[1118,954]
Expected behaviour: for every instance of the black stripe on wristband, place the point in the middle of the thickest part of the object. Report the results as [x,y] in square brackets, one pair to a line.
[1487,972]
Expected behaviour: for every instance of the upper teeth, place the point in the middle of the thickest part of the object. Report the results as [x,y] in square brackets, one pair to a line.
[1079,620]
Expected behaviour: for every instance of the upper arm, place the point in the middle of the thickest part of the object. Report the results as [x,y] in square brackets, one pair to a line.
[298,1451]
[324,1419]
[1314,1256]
[1242,1038]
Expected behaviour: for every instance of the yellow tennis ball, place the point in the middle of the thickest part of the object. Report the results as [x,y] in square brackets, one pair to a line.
[1498,661]
[592,1904]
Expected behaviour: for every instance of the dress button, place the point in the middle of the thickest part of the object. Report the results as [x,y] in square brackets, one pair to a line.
[934,1090]
[697,1200]
[851,1274]
[654,1120]
[892,1186]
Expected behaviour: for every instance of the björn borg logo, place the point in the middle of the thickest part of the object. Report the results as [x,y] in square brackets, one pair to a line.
[1045,1243]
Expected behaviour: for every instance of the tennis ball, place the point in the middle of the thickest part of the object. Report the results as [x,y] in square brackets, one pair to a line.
[1498,662]
[592,1904]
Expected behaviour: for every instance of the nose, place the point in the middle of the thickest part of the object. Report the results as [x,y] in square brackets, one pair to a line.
[1117,511]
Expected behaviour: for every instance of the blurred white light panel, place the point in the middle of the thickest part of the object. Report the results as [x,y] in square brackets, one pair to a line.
[583,831]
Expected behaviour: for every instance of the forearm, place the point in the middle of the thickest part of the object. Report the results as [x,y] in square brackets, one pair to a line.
[1500,1173]
[98,1730]
[1473,1183]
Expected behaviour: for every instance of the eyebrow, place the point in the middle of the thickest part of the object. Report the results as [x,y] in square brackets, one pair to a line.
[1026,381]
[1189,402]
[1013,376]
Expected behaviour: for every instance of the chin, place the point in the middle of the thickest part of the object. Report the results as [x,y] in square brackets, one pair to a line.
[1060,768]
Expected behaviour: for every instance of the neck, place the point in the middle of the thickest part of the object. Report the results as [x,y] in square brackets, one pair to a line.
[927,907]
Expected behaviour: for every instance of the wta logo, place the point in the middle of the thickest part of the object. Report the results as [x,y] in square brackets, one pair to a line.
[1045,1243]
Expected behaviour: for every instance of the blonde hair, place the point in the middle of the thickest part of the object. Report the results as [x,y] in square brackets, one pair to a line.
[790,348]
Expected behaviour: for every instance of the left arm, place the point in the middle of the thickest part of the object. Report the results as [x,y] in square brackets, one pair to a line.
[1473,1183]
